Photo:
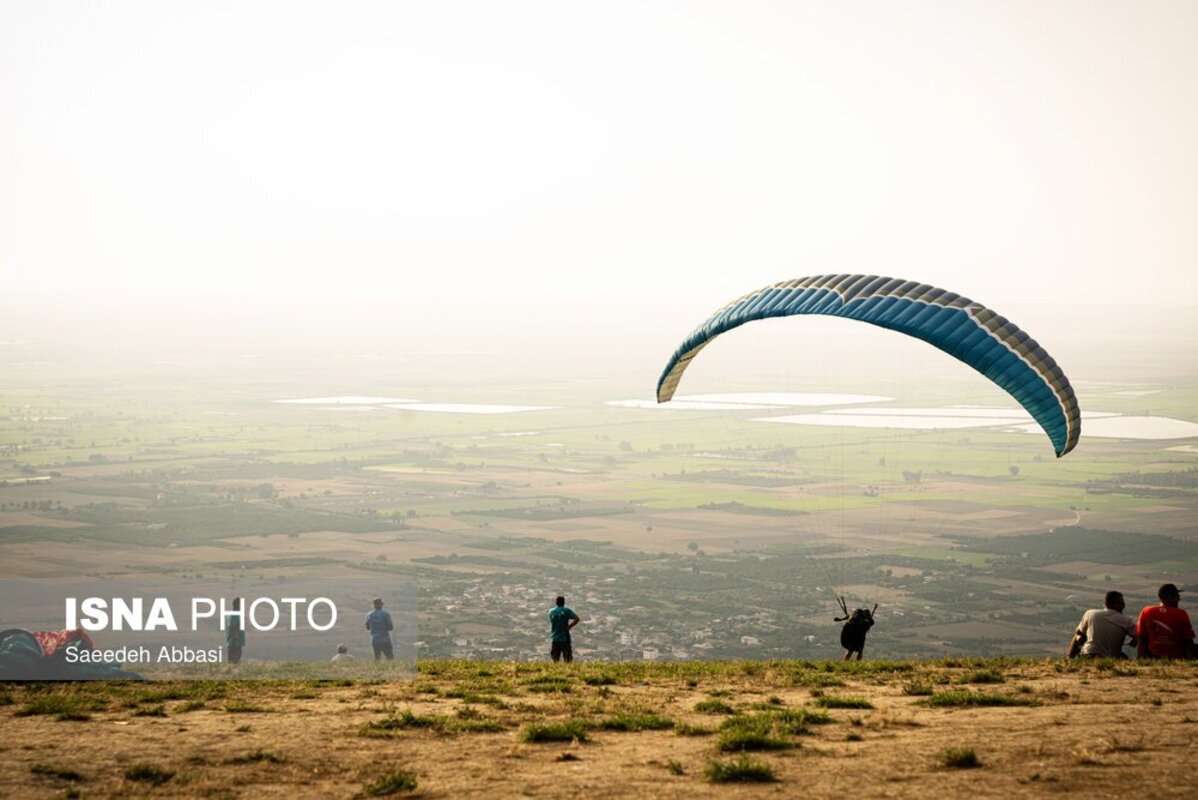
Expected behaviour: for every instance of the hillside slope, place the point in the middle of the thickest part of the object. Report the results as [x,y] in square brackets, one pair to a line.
[470,729]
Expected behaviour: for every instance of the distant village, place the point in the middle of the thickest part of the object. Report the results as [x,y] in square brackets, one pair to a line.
[608,629]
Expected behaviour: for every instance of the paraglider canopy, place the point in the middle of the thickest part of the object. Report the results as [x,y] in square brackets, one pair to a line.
[968,331]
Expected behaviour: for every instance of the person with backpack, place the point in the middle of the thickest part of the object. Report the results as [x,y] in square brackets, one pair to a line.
[856,625]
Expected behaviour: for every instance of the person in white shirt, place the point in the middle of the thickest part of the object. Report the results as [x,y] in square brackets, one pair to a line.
[1102,631]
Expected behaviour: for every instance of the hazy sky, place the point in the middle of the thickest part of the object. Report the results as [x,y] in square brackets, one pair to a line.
[1011,151]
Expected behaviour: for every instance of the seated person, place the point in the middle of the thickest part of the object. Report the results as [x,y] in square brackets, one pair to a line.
[1102,631]
[1164,630]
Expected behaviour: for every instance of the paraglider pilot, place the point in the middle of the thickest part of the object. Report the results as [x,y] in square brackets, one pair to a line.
[856,625]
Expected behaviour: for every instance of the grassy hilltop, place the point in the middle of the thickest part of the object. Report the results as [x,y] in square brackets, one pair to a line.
[984,727]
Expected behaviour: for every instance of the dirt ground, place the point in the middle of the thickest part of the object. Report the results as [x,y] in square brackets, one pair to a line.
[1099,729]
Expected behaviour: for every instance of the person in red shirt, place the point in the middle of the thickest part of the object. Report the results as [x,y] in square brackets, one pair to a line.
[1164,630]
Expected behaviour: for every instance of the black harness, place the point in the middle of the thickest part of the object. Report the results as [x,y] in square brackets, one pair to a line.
[852,635]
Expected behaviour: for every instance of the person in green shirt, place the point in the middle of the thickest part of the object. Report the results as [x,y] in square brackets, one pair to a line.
[561,621]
